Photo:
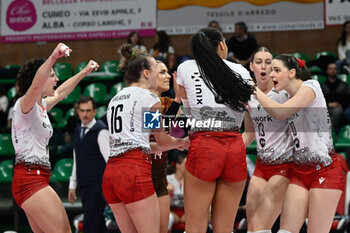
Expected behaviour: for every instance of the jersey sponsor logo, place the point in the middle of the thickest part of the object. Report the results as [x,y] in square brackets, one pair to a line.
[151,120]
[266,118]
[321,179]
[47,125]
[198,87]
[296,142]
[262,142]
[267,150]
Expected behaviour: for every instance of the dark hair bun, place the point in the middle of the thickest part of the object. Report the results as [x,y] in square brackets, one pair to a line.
[126,50]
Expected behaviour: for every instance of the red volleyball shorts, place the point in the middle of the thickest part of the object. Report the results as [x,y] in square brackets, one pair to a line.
[267,171]
[27,180]
[328,177]
[217,155]
[128,178]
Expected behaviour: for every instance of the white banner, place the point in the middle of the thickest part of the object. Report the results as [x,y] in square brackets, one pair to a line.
[278,16]
[45,20]
[336,12]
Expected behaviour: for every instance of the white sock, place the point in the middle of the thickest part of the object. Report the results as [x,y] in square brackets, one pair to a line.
[171,221]
[283,231]
[262,231]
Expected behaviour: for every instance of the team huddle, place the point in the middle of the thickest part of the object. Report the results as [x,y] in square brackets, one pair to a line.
[297,176]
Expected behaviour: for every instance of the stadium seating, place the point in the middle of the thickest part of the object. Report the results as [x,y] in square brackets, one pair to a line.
[57,114]
[8,74]
[320,78]
[343,138]
[98,91]
[6,146]
[80,67]
[63,71]
[69,113]
[345,78]
[6,171]
[116,88]
[11,93]
[324,53]
[101,112]
[302,56]
[62,170]
[111,71]
[73,97]
[315,70]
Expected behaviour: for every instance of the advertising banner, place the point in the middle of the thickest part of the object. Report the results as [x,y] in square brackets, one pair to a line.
[47,20]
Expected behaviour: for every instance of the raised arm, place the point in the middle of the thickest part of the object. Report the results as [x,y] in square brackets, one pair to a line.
[302,99]
[68,86]
[176,88]
[30,97]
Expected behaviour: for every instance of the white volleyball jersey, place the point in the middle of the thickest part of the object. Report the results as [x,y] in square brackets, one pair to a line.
[202,104]
[31,133]
[125,116]
[311,130]
[274,141]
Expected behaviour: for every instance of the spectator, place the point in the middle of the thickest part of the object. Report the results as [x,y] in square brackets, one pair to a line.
[336,93]
[3,107]
[241,45]
[344,49]
[162,46]
[171,63]
[135,40]
[91,151]
[215,24]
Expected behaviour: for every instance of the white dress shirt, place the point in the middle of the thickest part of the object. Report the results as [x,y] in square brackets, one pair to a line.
[103,143]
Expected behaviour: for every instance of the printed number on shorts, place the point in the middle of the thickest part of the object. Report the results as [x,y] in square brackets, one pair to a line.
[116,121]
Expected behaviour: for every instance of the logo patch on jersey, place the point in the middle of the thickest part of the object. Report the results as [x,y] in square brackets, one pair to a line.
[151,120]
[321,179]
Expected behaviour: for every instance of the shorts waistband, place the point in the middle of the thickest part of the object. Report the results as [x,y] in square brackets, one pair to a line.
[130,152]
[33,167]
[317,166]
[220,134]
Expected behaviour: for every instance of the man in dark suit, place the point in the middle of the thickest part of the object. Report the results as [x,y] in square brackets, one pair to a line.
[91,151]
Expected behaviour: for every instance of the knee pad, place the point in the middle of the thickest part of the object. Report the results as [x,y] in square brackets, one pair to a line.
[171,221]
[283,231]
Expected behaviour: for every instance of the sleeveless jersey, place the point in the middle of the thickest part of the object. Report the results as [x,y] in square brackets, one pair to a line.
[274,141]
[204,112]
[311,130]
[31,133]
[125,116]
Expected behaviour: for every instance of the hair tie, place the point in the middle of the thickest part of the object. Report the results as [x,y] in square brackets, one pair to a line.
[301,63]
[133,53]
